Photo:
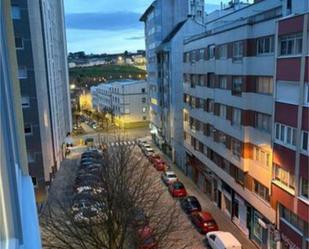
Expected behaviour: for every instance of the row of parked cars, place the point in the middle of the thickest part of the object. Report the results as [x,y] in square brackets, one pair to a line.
[87,206]
[202,220]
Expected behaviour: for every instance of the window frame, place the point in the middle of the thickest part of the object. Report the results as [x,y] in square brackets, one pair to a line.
[262,41]
[295,41]
[264,85]
[283,176]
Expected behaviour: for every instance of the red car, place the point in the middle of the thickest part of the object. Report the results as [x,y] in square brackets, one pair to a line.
[147,240]
[204,222]
[177,189]
[159,164]
[154,157]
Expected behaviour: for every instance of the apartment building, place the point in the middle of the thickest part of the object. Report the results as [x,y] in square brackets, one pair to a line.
[41,55]
[290,188]
[19,227]
[230,79]
[126,101]
[166,24]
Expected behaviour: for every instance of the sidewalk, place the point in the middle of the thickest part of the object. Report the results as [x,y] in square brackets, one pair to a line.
[223,221]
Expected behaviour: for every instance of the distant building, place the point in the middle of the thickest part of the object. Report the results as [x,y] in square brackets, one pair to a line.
[42,71]
[19,226]
[126,101]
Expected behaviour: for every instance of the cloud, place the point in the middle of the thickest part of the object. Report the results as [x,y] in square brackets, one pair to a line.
[135,38]
[104,21]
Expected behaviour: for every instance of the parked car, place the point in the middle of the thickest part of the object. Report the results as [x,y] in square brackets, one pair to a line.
[89,191]
[169,177]
[204,222]
[146,238]
[177,189]
[148,151]
[159,164]
[154,157]
[222,240]
[190,204]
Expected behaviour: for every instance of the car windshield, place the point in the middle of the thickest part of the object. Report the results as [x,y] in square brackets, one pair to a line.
[171,176]
[178,185]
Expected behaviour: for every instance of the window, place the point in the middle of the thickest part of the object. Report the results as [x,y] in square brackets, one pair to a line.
[34,181]
[25,102]
[236,148]
[238,49]
[285,134]
[305,141]
[261,156]
[210,105]
[290,45]
[306,97]
[211,51]
[143,100]
[143,90]
[237,85]
[19,43]
[292,219]
[28,129]
[144,109]
[283,176]
[144,117]
[223,82]
[304,187]
[201,56]
[16,12]
[236,116]
[265,45]
[239,176]
[222,111]
[222,137]
[22,73]
[264,85]
[263,122]
[261,190]
[223,51]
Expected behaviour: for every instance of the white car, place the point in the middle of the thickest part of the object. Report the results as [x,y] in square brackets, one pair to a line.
[222,240]
[169,177]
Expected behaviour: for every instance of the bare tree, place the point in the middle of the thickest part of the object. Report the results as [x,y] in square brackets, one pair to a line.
[133,199]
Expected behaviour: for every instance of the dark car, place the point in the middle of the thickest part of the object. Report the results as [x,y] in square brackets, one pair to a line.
[88,163]
[190,204]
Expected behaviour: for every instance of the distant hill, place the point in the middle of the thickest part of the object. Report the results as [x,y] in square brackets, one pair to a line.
[89,76]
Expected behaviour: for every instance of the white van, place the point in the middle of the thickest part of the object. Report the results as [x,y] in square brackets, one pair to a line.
[222,240]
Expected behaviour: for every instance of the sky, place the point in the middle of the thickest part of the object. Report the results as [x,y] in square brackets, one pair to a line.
[108,26]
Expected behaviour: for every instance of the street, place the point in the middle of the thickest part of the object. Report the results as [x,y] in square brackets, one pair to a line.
[61,189]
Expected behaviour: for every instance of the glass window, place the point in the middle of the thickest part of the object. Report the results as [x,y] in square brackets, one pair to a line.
[25,102]
[261,190]
[238,49]
[22,73]
[28,129]
[223,51]
[283,176]
[236,116]
[304,187]
[222,111]
[211,51]
[263,122]
[265,85]
[19,43]
[306,97]
[261,156]
[290,45]
[292,218]
[265,45]
[223,82]
[16,12]
[305,141]
[237,86]
[236,148]
[143,100]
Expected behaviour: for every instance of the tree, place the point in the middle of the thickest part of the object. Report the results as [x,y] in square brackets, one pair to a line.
[133,199]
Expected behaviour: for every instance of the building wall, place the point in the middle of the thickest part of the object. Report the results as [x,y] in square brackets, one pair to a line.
[290,184]
[39,29]
[18,215]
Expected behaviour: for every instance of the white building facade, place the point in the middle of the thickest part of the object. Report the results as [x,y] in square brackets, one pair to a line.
[126,100]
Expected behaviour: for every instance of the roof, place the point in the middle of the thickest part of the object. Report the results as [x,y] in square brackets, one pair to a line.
[147,11]
[173,32]
[206,216]
[229,241]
